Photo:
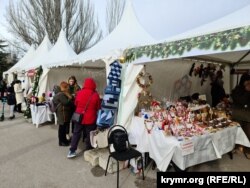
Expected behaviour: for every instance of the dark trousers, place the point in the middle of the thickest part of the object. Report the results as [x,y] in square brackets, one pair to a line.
[62,133]
[19,107]
[72,123]
[78,130]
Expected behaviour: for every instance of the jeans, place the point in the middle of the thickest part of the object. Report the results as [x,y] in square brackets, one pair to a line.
[78,129]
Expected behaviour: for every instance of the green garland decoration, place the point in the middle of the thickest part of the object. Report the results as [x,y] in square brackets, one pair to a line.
[27,113]
[39,71]
[218,41]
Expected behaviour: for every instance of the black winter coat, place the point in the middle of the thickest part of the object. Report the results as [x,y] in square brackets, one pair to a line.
[64,108]
[11,97]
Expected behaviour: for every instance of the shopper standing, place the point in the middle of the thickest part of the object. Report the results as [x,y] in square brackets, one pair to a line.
[63,103]
[11,99]
[87,100]
[19,95]
[73,89]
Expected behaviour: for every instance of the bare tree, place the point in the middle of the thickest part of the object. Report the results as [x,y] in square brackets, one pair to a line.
[30,20]
[114,13]
[4,65]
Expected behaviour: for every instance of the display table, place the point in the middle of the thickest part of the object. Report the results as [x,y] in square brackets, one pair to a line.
[40,114]
[162,149]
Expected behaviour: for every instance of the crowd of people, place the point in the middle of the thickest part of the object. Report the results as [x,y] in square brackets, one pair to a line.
[240,95]
[68,97]
[13,95]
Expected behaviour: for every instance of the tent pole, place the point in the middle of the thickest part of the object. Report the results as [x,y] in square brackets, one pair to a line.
[241,58]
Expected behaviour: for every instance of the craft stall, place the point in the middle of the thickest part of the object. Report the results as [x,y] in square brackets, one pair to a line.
[185,142]
[185,131]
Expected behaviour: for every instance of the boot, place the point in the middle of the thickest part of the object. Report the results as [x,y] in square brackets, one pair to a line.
[12,117]
[2,118]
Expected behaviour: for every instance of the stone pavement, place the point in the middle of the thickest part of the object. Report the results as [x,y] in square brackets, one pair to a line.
[31,158]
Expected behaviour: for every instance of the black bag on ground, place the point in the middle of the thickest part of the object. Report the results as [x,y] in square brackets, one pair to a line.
[77,117]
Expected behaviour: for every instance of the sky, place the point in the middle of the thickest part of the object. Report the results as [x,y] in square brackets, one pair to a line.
[162,18]
[3,32]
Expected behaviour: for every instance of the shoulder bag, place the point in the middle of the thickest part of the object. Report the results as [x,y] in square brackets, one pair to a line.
[77,117]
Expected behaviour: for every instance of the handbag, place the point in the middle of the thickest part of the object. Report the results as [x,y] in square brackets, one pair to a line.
[99,138]
[102,138]
[78,117]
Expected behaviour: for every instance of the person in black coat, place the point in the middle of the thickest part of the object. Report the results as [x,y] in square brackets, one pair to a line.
[11,99]
[241,93]
[241,106]
[217,90]
[3,88]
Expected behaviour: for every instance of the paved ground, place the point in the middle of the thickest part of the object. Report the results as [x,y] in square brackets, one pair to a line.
[31,158]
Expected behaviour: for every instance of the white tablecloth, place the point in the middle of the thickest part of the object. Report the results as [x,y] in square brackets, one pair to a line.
[40,114]
[163,148]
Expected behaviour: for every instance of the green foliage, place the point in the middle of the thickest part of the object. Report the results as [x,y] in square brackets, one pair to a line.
[229,39]
[27,113]
[39,71]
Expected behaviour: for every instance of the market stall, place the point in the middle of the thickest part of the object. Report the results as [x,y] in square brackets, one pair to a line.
[168,127]
[186,152]
[181,66]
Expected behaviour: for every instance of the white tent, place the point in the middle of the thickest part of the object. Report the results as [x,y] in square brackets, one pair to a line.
[53,73]
[17,68]
[61,51]
[236,20]
[128,33]
[166,18]
[24,61]
[233,27]
[225,40]
[37,58]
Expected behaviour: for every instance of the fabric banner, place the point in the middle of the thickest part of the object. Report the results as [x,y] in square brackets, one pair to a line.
[109,107]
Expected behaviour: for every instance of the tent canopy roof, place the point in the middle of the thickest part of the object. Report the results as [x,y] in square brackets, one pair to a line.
[23,61]
[239,18]
[216,39]
[38,56]
[61,51]
[128,33]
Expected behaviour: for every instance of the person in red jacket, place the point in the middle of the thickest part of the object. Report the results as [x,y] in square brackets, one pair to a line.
[87,95]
